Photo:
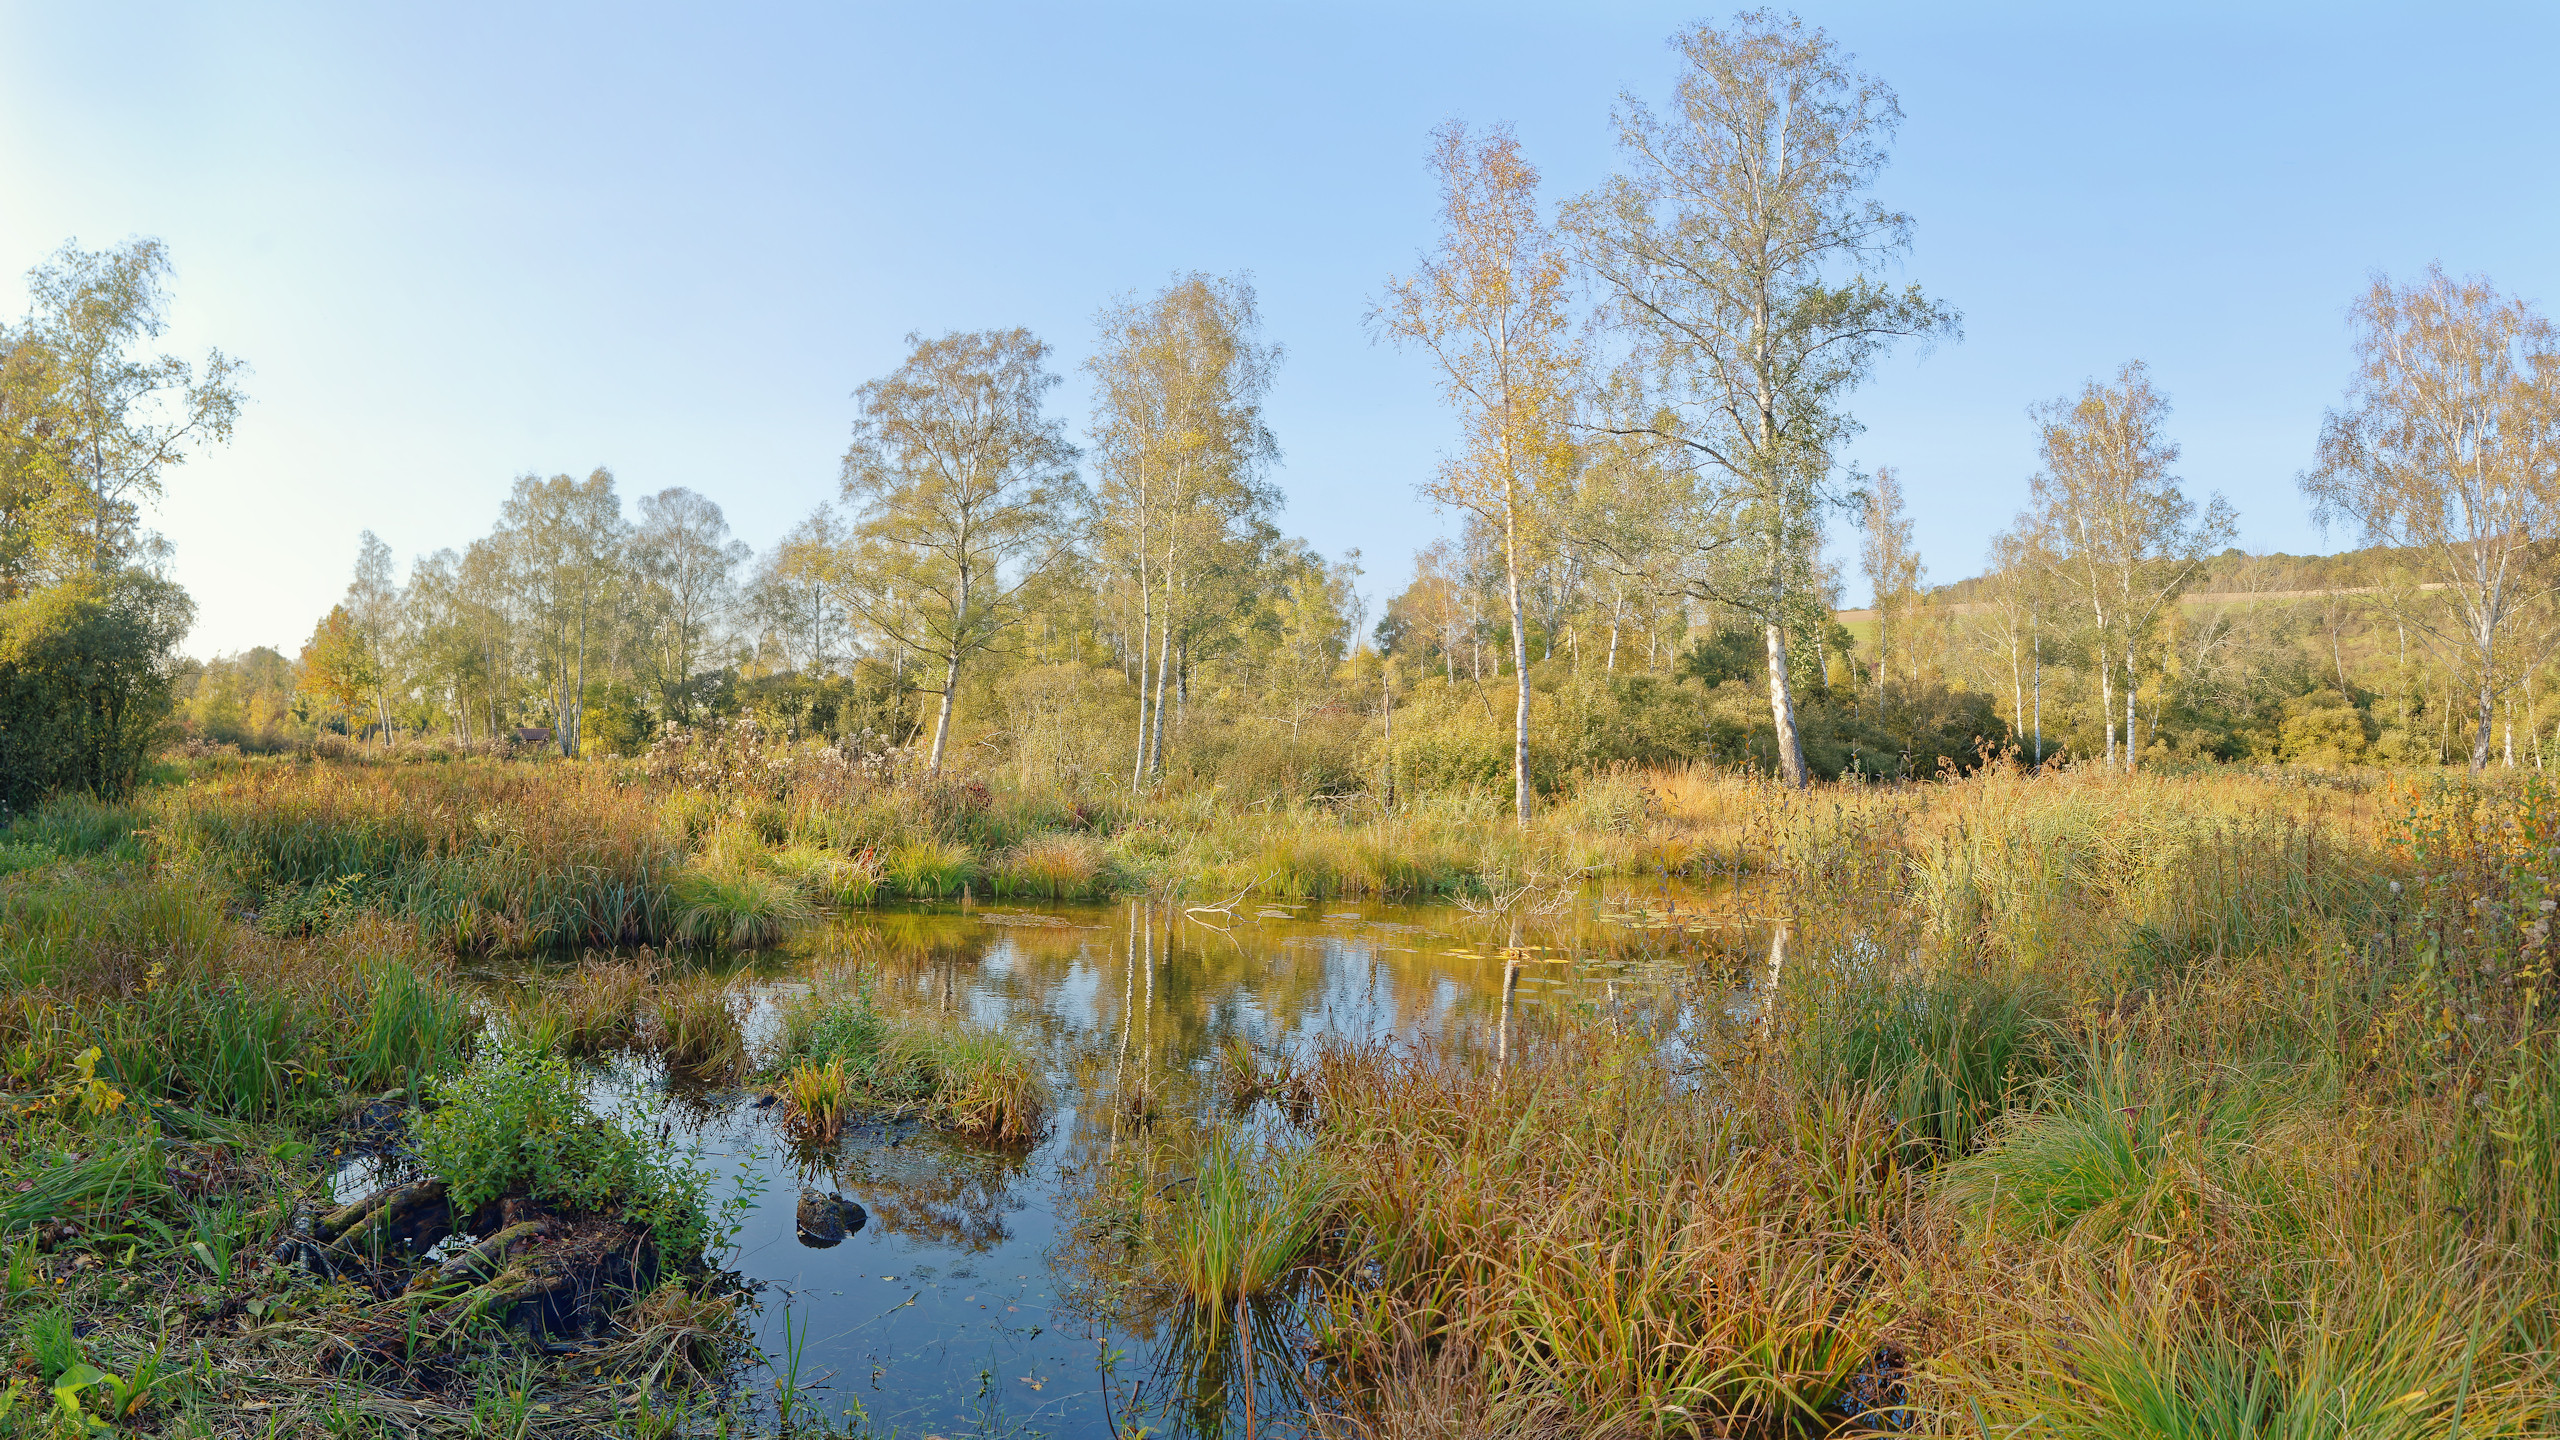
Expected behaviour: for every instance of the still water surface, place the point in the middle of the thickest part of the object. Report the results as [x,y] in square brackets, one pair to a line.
[953,1310]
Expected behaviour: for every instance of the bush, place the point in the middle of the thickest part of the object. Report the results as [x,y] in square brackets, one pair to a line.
[516,1123]
[85,681]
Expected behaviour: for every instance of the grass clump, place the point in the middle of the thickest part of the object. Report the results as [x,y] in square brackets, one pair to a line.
[1948,1054]
[813,1101]
[927,869]
[735,909]
[1243,1218]
[826,878]
[515,1122]
[1052,867]
[972,1079]
[697,1026]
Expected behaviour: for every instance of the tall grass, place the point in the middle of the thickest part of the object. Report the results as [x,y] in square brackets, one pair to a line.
[1240,1220]
[486,856]
[1590,1235]
[1948,1054]
[735,909]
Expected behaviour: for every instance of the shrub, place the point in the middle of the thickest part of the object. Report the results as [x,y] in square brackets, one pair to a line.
[515,1122]
[85,683]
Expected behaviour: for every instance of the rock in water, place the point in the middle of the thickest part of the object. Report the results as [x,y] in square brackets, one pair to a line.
[826,1219]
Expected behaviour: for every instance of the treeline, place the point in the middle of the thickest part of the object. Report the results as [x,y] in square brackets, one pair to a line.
[2117,625]
[1651,382]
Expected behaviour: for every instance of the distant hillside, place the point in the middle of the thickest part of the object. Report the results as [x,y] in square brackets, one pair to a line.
[2236,573]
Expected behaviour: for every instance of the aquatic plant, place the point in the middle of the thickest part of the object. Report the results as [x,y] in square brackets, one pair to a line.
[516,1121]
[927,869]
[697,1026]
[968,1077]
[1240,1220]
[813,1100]
[735,909]
[1594,1235]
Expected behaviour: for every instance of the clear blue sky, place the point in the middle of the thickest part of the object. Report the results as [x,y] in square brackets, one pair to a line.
[463,242]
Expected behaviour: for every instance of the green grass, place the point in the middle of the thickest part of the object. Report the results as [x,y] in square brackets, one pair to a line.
[735,909]
[927,869]
[972,1079]
[1949,1054]
[1240,1221]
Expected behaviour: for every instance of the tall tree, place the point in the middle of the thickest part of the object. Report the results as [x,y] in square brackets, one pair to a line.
[1892,564]
[1488,304]
[119,417]
[684,567]
[964,490]
[2008,616]
[798,601]
[1181,454]
[373,608]
[564,544]
[1738,254]
[2448,447]
[2119,533]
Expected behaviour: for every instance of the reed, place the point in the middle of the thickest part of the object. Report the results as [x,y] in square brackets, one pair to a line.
[735,909]
[488,856]
[1240,1221]
[1590,1235]
[813,1101]
[697,1025]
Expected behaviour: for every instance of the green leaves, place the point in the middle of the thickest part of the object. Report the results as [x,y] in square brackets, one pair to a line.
[517,1121]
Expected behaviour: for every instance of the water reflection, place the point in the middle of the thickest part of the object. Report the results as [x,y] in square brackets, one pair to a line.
[966,1304]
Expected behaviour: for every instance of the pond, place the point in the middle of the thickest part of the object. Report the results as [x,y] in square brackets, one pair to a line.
[962,1305]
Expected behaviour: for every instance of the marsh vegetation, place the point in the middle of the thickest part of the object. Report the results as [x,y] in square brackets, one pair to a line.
[2216,1103]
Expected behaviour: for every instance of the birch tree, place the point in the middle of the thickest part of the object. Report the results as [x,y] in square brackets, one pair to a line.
[963,492]
[1739,254]
[1892,564]
[2448,447]
[2120,535]
[563,543]
[1487,304]
[373,606]
[1182,454]
[684,568]
[121,418]
[2009,620]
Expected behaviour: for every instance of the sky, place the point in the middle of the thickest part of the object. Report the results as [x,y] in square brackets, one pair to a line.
[462,243]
